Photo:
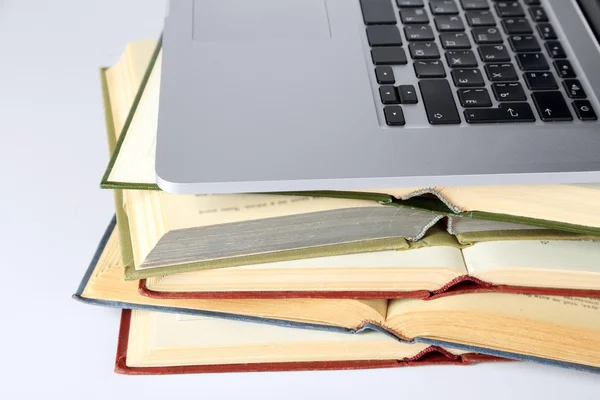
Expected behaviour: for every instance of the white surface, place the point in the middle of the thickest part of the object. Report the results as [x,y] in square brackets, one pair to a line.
[52,155]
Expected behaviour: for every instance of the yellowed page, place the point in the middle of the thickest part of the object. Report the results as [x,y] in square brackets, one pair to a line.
[558,328]
[189,211]
[427,268]
[135,161]
[548,255]
[573,204]
[572,312]
[125,77]
[158,339]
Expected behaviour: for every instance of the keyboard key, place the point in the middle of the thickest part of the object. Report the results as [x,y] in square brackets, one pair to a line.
[468,5]
[394,116]
[414,16]
[516,26]
[383,35]
[555,49]
[480,18]
[584,110]
[524,44]
[564,69]
[532,2]
[540,81]
[385,75]
[546,31]
[461,59]
[573,89]
[429,69]
[506,112]
[418,33]
[388,95]
[423,50]
[467,78]
[538,14]
[486,36]
[509,9]
[439,102]
[452,41]
[407,94]
[443,7]
[378,12]
[508,92]
[501,72]
[410,3]
[449,23]
[497,53]
[551,106]
[474,98]
[390,55]
[532,62]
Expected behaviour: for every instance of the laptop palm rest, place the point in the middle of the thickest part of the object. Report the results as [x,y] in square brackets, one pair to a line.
[262,20]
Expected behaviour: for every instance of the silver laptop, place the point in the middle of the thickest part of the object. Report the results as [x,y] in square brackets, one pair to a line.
[288,95]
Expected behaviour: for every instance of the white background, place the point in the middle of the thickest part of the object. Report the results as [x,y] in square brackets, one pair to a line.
[52,156]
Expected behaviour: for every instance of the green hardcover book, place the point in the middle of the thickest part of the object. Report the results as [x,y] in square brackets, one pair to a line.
[177,233]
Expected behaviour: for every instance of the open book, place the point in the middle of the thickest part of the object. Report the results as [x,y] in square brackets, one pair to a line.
[178,230]
[159,343]
[555,330]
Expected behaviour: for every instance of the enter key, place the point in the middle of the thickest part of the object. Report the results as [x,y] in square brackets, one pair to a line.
[505,113]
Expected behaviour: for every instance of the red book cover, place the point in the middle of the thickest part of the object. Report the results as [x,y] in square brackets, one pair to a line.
[461,285]
[433,355]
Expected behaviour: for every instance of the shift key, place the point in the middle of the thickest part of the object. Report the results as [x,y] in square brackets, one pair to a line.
[439,102]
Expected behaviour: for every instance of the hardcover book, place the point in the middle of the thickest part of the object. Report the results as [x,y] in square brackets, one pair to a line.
[153,343]
[554,330]
[177,233]
[479,256]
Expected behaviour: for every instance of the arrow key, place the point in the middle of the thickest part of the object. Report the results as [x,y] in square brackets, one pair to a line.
[551,106]
[385,75]
[388,95]
[394,116]
[408,94]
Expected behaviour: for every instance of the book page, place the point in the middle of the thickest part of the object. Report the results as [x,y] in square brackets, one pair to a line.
[559,328]
[573,312]
[136,158]
[428,268]
[190,211]
[177,340]
[125,77]
[572,204]
[555,255]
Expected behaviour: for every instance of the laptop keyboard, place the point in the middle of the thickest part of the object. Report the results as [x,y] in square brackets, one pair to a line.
[470,52]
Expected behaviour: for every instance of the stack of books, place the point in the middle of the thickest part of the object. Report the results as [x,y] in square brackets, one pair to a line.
[335,280]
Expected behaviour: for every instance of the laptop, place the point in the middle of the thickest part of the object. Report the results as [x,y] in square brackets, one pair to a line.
[293,95]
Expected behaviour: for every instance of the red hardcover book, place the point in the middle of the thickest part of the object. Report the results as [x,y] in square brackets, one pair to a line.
[430,355]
